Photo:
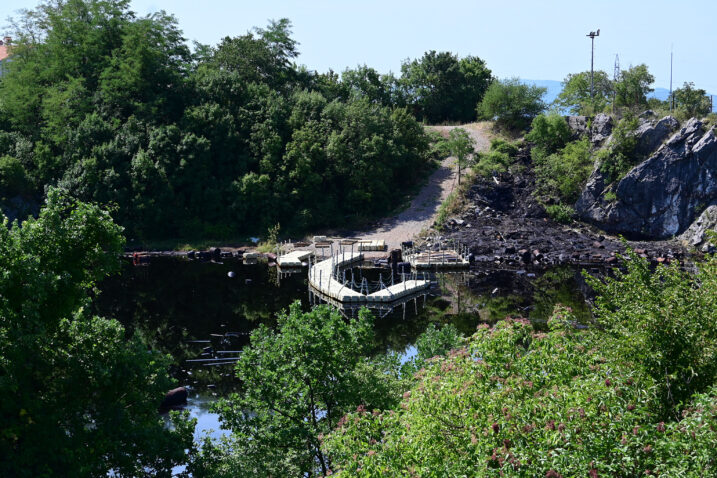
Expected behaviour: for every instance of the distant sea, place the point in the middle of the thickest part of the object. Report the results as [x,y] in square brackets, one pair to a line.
[554,89]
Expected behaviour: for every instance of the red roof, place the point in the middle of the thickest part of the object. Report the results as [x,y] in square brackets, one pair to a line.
[3,52]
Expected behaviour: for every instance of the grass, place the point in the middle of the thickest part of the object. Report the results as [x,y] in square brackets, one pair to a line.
[455,201]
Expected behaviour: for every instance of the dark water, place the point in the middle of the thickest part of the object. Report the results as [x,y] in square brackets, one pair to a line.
[175,302]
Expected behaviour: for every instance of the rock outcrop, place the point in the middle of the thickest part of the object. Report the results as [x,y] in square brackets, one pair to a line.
[578,125]
[601,128]
[695,235]
[660,197]
[651,135]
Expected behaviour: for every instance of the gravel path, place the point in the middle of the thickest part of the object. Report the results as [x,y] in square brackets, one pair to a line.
[424,207]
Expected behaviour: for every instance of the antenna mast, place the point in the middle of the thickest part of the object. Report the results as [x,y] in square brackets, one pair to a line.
[615,79]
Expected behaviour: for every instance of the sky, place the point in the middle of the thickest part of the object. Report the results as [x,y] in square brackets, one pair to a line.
[531,39]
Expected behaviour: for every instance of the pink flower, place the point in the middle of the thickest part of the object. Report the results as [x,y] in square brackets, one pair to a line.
[661,427]
[496,428]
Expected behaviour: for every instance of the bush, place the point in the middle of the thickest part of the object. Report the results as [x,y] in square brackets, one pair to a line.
[560,213]
[503,146]
[511,104]
[491,163]
[561,176]
[549,133]
[619,157]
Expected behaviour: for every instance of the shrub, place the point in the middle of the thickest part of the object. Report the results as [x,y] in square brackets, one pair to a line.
[619,157]
[561,176]
[549,133]
[491,163]
[560,213]
[511,104]
[503,146]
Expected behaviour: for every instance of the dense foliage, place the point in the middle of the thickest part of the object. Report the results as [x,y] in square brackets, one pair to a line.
[297,383]
[575,95]
[441,87]
[230,139]
[635,398]
[691,101]
[497,160]
[561,167]
[511,103]
[79,399]
[633,86]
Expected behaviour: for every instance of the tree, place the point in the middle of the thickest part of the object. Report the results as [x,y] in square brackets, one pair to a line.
[79,399]
[461,145]
[633,86]
[297,384]
[575,95]
[692,101]
[440,87]
[511,103]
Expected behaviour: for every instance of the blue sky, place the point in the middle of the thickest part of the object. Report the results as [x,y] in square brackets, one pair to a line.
[531,39]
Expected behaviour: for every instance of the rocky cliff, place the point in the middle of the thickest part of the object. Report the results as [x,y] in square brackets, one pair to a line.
[661,196]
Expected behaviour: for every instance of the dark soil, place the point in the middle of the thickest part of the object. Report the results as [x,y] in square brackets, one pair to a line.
[504,226]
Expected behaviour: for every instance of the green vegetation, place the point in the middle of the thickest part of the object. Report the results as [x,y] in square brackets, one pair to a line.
[633,87]
[575,96]
[223,142]
[298,381]
[561,167]
[79,398]
[636,394]
[691,101]
[460,145]
[619,156]
[442,88]
[498,160]
[511,103]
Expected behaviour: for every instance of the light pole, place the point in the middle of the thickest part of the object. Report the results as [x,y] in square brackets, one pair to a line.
[592,36]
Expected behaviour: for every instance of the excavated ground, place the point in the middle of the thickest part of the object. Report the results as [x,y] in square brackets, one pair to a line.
[505,227]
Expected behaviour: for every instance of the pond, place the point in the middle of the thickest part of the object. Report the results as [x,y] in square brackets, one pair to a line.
[185,307]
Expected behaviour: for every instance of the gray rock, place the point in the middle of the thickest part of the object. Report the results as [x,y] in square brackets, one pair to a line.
[601,128]
[650,135]
[695,234]
[578,125]
[661,196]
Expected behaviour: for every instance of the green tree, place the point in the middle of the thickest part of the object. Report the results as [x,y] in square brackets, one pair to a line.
[575,95]
[632,88]
[511,103]
[297,384]
[461,145]
[692,101]
[440,87]
[80,399]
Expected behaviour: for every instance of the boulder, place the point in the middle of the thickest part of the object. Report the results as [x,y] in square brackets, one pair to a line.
[661,196]
[650,135]
[695,234]
[601,128]
[174,398]
[578,125]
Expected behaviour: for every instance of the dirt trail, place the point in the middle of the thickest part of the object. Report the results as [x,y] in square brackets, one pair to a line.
[424,207]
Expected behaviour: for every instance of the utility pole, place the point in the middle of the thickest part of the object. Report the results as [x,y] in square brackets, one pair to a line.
[592,36]
[672,98]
